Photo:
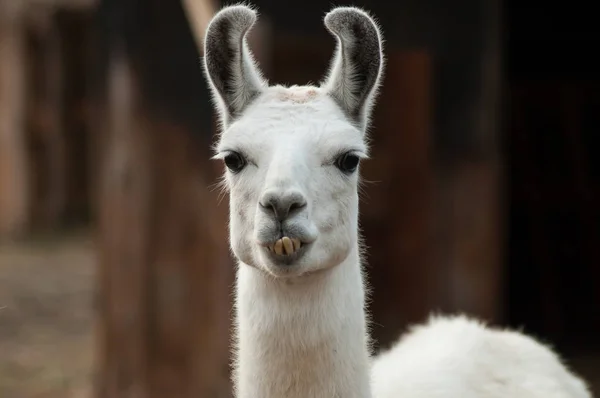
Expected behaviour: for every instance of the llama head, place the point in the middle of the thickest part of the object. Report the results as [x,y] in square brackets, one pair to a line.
[292,153]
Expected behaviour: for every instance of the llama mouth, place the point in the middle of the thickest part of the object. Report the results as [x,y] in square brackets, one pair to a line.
[285,246]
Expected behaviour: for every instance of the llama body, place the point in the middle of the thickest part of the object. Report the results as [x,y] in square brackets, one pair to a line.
[460,357]
[292,156]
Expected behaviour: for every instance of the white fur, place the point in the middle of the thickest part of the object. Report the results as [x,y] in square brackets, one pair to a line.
[461,357]
[301,330]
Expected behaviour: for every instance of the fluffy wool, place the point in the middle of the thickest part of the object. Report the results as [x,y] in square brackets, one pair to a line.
[461,357]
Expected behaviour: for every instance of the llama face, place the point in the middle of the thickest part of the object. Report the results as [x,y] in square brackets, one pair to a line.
[292,154]
[292,171]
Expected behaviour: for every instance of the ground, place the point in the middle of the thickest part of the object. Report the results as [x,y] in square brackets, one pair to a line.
[46,320]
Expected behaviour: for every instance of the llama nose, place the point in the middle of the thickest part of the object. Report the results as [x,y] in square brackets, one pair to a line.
[282,205]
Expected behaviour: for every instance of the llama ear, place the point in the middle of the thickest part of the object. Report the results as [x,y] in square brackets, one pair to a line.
[228,63]
[357,66]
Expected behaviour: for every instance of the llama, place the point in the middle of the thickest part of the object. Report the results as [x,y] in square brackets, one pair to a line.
[292,158]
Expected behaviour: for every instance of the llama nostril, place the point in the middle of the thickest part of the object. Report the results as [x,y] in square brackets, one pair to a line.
[297,206]
[282,206]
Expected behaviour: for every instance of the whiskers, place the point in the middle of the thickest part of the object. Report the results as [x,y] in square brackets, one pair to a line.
[221,186]
[362,193]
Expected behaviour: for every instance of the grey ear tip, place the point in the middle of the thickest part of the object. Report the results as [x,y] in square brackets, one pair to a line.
[339,17]
[240,15]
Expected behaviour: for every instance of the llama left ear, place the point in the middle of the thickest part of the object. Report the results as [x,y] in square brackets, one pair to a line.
[357,66]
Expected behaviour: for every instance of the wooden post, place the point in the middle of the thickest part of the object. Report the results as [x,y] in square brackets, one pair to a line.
[164,262]
[74,28]
[468,161]
[14,171]
[45,113]
[123,239]
[397,208]
[199,14]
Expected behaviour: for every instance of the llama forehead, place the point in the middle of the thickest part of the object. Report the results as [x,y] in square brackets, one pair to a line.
[298,119]
[293,94]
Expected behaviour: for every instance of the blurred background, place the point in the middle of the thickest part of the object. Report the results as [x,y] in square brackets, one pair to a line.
[115,277]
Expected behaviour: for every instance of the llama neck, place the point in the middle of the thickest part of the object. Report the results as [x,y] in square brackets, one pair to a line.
[304,338]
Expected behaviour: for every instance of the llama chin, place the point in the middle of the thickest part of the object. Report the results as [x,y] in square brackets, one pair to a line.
[292,157]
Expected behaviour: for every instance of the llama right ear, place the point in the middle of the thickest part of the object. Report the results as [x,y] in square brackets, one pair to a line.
[357,66]
[234,79]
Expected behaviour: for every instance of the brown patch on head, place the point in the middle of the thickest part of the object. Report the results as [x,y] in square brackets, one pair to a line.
[297,95]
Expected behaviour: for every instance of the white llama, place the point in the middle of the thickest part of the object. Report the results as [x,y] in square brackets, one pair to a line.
[292,157]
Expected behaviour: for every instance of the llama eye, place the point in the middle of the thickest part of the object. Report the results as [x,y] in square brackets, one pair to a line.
[234,162]
[348,162]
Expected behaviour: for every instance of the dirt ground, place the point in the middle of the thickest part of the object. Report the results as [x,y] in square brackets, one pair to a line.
[46,321]
[46,339]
